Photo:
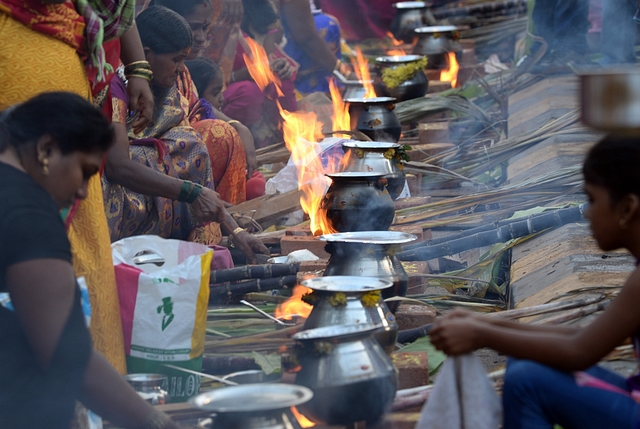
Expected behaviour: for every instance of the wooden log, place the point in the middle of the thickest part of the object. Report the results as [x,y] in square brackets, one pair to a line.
[269,207]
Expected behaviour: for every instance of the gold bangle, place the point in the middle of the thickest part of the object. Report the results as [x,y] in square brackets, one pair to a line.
[142,63]
[233,121]
[237,231]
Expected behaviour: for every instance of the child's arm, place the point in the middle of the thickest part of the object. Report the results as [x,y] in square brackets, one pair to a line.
[560,349]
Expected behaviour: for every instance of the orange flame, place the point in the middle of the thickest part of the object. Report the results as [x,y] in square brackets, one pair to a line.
[361,67]
[302,420]
[294,305]
[451,73]
[395,41]
[301,131]
[341,119]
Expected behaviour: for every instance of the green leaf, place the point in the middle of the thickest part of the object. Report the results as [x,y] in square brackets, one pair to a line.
[435,357]
[268,363]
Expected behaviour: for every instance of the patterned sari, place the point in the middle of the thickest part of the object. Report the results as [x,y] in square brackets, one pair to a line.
[169,145]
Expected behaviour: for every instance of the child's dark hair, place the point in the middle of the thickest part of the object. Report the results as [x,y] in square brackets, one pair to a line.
[203,72]
[182,7]
[614,163]
[260,14]
[163,30]
[75,124]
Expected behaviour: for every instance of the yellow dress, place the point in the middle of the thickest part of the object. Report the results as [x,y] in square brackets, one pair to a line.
[32,63]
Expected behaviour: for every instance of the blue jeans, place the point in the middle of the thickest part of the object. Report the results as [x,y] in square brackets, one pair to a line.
[536,396]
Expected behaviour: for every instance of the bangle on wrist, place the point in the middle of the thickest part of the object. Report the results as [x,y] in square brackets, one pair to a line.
[184,191]
[235,232]
[233,121]
[195,191]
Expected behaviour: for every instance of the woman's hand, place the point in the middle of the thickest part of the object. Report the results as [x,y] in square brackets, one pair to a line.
[140,102]
[209,207]
[457,333]
[249,245]
[282,68]
[232,11]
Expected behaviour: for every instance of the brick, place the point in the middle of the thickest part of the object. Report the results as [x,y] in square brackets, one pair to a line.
[433,75]
[290,243]
[411,316]
[417,282]
[313,266]
[301,230]
[433,132]
[438,86]
[468,57]
[413,369]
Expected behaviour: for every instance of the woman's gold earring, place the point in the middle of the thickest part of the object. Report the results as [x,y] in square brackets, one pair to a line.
[45,166]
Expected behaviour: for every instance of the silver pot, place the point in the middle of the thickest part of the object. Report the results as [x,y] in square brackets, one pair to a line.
[372,254]
[354,89]
[251,376]
[409,16]
[379,157]
[351,377]
[358,307]
[253,406]
[151,387]
[436,42]
[414,87]
[375,118]
[611,99]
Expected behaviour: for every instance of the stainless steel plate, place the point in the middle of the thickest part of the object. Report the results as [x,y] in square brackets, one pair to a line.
[354,174]
[436,29]
[371,100]
[335,331]
[370,237]
[370,145]
[399,59]
[411,5]
[252,397]
[346,284]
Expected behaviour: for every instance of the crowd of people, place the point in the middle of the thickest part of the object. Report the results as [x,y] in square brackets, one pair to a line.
[122,119]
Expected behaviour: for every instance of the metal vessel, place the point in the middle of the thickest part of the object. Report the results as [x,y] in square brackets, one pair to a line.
[436,42]
[151,387]
[358,202]
[345,300]
[379,157]
[409,16]
[351,376]
[414,87]
[375,118]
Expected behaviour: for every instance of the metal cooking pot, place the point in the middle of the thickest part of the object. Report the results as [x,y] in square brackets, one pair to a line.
[378,157]
[414,87]
[375,118]
[409,16]
[362,304]
[372,254]
[351,377]
[611,99]
[151,387]
[436,42]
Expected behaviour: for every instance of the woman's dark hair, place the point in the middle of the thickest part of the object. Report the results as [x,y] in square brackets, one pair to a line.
[75,124]
[181,7]
[203,72]
[163,30]
[259,14]
[614,163]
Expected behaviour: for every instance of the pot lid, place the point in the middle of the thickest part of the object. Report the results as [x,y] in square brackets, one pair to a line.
[395,59]
[436,29]
[372,100]
[411,5]
[346,284]
[252,397]
[369,237]
[366,175]
[354,144]
[343,331]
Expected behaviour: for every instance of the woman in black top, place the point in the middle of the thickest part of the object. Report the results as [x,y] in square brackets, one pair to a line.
[49,148]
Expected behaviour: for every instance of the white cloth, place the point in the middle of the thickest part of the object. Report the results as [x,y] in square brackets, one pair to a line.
[463,398]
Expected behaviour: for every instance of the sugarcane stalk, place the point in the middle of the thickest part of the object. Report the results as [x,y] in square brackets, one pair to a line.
[475,9]
[514,229]
[253,272]
[227,364]
[575,314]
[226,291]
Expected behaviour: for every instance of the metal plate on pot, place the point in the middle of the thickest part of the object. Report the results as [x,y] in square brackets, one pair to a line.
[252,397]
[371,100]
[399,59]
[436,29]
[355,174]
[411,5]
[346,284]
[369,237]
[370,145]
[335,331]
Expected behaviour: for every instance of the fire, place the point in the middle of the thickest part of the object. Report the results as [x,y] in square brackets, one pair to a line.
[395,41]
[294,305]
[451,73]
[341,119]
[302,420]
[361,67]
[258,66]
